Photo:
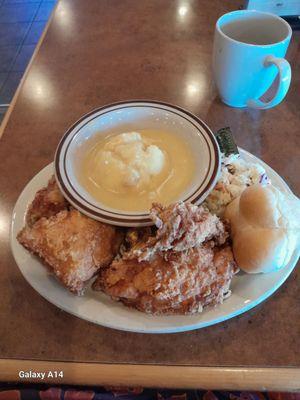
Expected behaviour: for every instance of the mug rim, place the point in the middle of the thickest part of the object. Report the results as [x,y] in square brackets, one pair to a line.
[288,36]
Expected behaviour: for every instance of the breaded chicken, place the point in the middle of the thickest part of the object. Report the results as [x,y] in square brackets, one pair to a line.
[185,266]
[181,283]
[46,203]
[74,246]
[181,226]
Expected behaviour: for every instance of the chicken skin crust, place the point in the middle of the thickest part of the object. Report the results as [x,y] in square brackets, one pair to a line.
[181,283]
[73,246]
[46,203]
[179,269]
[181,226]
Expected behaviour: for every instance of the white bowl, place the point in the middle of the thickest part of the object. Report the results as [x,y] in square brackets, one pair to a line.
[134,116]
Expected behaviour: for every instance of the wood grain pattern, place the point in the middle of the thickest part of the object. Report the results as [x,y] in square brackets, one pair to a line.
[272,379]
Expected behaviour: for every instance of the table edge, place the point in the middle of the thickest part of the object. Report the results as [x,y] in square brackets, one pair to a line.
[5,120]
[156,376]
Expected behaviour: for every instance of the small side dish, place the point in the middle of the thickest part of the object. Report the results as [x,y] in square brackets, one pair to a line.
[236,175]
[114,162]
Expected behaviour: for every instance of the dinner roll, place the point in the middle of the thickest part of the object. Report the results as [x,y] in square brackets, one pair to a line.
[265,228]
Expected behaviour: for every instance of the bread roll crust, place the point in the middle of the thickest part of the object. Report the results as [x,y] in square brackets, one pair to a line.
[260,250]
[263,240]
[258,205]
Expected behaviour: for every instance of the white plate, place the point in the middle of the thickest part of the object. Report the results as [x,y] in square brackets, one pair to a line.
[247,290]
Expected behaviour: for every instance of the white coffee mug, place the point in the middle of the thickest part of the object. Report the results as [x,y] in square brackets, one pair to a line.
[249,47]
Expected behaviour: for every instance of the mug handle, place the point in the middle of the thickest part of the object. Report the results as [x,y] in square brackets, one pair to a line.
[285,75]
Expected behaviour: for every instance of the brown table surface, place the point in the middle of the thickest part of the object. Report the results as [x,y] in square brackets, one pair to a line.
[97,52]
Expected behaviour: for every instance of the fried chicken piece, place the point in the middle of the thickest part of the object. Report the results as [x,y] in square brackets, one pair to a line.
[182,283]
[181,226]
[181,268]
[74,246]
[47,202]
